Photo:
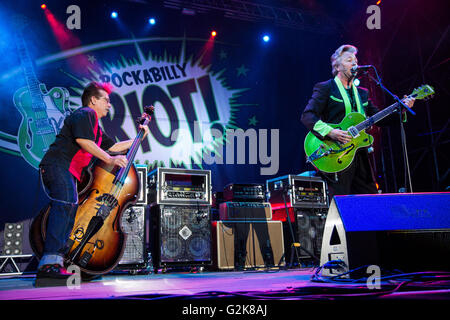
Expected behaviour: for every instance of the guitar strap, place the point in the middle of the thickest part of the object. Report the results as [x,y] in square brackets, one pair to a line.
[347,104]
[323,128]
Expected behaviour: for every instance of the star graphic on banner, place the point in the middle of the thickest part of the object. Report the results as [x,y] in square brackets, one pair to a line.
[91,59]
[242,70]
[252,121]
[223,54]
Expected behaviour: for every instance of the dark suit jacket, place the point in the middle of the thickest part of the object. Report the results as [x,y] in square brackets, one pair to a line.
[327,104]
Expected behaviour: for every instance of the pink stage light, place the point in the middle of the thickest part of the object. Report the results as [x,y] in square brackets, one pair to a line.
[66,40]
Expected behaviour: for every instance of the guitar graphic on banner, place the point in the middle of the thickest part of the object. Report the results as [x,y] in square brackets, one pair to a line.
[43,111]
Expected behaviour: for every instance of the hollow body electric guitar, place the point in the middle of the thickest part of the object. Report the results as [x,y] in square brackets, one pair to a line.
[96,242]
[331,156]
[43,111]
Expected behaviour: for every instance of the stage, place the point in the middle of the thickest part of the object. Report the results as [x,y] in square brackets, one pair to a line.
[269,285]
[270,133]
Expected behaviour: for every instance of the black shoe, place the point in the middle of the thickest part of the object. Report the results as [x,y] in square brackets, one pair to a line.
[51,275]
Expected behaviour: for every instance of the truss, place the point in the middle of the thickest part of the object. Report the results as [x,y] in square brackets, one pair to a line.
[254,12]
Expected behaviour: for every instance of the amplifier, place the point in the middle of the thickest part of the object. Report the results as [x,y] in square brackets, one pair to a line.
[299,192]
[245,211]
[181,235]
[247,244]
[180,186]
[307,226]
[310,226]
[244,192]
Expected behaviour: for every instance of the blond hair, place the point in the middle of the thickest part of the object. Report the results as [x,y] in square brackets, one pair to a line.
[336,56]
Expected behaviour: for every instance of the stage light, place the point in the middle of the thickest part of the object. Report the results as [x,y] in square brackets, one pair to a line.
[13,237]
[43,6]
[213,33]
[266,38]
[151,21]
[114,15]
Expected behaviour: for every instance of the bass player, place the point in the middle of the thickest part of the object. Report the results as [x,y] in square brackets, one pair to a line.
[80,139]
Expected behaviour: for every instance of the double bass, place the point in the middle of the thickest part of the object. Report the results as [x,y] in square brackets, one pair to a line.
[96,242]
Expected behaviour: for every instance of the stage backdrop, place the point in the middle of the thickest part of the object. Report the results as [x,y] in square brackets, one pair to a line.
[229,104]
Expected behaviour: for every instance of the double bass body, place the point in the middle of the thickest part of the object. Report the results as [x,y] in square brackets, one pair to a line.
[103,250]
[96,242]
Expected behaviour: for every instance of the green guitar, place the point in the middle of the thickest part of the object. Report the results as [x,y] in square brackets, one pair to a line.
[43,111]
[332,156]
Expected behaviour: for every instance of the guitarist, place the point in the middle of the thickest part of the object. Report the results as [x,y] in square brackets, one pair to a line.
[331,101]
[79,140]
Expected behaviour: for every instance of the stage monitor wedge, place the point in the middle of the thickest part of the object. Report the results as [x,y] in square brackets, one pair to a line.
[407,232]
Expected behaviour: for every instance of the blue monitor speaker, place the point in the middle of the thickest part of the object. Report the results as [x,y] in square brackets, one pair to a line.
[406,232]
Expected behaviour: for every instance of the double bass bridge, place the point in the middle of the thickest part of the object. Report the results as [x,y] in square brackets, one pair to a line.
[106,203]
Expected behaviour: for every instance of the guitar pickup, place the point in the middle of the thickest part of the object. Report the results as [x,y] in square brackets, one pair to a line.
[353,132]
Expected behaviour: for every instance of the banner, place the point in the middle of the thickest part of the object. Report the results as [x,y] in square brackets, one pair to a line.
[232,107]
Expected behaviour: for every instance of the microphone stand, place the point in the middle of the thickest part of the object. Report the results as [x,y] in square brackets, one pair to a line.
[402,129]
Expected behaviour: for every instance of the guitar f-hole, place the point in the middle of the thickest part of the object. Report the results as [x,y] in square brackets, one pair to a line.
[351,147]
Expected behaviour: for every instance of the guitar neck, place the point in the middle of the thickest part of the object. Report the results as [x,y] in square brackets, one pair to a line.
[37,102]
[377,117]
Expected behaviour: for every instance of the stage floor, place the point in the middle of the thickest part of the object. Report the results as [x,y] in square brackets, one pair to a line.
[285,284]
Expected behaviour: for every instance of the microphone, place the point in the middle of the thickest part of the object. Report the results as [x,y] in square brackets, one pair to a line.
[355,69]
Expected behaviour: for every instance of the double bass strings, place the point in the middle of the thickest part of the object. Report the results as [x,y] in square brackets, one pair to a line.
[123,173]
[117,188]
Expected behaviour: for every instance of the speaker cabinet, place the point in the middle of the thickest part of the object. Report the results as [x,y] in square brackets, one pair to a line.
[408,232]
[306,227]
[181,235]
[247,244]
[310,226]
[133,224]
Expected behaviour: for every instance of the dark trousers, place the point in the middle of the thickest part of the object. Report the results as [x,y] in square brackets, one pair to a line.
[60,187]
[356,179]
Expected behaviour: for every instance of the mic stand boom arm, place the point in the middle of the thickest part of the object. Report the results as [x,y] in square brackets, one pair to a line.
[403,136]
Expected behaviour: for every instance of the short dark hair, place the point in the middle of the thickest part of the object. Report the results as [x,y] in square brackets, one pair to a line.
[93,90]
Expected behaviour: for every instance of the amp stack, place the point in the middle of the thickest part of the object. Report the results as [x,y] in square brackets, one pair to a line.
[134,224]
[180,205]
[306,200]
[245,236]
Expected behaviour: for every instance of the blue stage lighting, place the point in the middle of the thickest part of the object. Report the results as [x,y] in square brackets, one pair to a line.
[114,15]
[151,21]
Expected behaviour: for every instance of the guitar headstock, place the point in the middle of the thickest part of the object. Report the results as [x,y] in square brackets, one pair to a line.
[423,92]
